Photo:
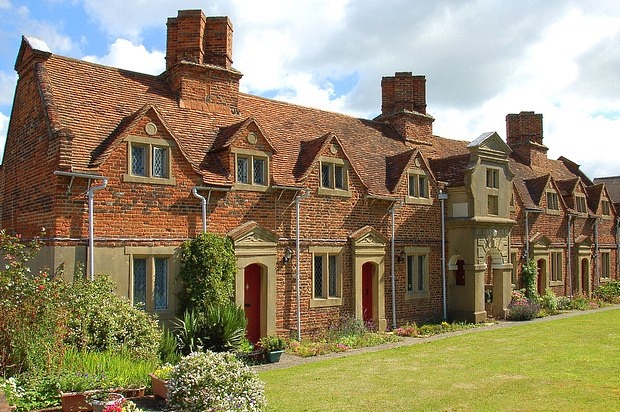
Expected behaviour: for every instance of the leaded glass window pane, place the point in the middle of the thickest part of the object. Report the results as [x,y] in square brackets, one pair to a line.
[160,162]
[421,272]
[326,180]
[242,170]
[410,273]
[139,281]
[138,160]
[259,171]
[423,186]
[412,186]
[339,177]
[318,277]
[333,276]
[161,283]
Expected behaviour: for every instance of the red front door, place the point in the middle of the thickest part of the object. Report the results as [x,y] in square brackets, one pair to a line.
[251,301]
[367,271]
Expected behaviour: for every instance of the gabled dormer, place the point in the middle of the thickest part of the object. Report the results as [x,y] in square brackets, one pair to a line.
[600,202]
[326,157]
[246,152]
[574,194]
[410,170]
[488,173]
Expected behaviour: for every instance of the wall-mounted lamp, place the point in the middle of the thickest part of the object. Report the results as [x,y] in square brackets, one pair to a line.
[524,255]
[494,233]
[594,255]
[288,254]
[400,258]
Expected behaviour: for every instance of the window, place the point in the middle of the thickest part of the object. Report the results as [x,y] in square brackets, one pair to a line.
[493,205]
[556,266]
[326,276]
[605,265]
[333,178]
[605,208]
[493,178]
[149,161]
[418,188]
[417,272]
[580,203]
[515,266]
[150,282]
[460,273]
[251,169]
[552,203]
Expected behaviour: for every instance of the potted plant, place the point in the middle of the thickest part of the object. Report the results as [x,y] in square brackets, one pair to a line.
[107,401]
[274,346]
[159,380]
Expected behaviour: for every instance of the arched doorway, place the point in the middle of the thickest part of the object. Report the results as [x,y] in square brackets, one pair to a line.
[367,292]
[252,301]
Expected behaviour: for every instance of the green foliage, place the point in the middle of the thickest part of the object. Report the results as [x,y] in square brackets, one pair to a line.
[101,320]
[608,292]
[164,371]
[272,343]
[549,301]
[211,381]
[220,328]
[208,268]
[168,348]
[30,392]
[529,274]
[413,330]
[521,308]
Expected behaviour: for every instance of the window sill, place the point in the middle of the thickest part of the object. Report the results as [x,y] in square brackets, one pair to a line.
[556,283]
[250,188]
[323,191]
[553,212]
[417,295]
[149,180]
[410,200]
[322,303]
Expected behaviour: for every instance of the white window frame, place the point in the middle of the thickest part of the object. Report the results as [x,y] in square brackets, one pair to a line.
[150,145]
[412,257]
[251,156]
[331,190]
[325,299]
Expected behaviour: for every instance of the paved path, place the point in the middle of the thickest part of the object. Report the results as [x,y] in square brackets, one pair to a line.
[287,361]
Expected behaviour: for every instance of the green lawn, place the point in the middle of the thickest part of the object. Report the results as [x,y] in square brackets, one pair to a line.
[569,364]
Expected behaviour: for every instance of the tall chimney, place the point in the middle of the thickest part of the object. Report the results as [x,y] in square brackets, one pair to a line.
[199,62]
[403,92]
[524,135]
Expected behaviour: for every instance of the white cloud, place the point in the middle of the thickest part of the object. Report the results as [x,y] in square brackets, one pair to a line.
[7,87]
[125,55]
[4,126]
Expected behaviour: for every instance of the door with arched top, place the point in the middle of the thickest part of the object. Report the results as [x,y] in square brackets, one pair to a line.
[367,298]
[251,303]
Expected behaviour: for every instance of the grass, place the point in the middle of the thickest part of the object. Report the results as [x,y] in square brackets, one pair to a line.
[560,365]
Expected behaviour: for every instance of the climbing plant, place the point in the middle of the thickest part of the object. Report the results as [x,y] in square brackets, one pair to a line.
[207,275]
[529,273]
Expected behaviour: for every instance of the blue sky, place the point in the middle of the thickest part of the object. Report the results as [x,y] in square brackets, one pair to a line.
[482,59]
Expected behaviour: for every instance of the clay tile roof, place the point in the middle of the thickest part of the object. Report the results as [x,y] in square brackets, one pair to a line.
[395,166]
[613,187]
[536,187]
[567,187]
[451,169]
[594,194]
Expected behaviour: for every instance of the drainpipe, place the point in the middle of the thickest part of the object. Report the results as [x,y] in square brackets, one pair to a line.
[527,235]
[442,198]
[617,246]
[298,199]
[205,201]
[598,270]
[90,195]
[91,226]
[568,257]
[395,206]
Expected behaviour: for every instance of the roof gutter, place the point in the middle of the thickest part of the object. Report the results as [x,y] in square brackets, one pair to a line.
[91,218]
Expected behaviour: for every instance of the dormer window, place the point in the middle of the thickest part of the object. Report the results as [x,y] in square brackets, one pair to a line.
[553,205]
[149,161]
[493,178]
[418,187]
[605,208]
[251,170]
[333,177]
[580,204]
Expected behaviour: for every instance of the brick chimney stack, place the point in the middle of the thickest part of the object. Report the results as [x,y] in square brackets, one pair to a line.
[199,62]
[403,92]
[524,135]
[403,105]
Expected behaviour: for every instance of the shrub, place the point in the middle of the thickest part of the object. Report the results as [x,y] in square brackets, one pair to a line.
[207,275]
[168,348]
[521,308]
[529,274]
[100,320]
[272,343]
[549,301]
[608,292]
[211,381]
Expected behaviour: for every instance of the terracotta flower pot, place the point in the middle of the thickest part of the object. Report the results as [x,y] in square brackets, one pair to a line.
[159,386]
[74,402]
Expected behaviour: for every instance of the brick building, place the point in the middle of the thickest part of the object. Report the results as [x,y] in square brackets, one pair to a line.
[330,215]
